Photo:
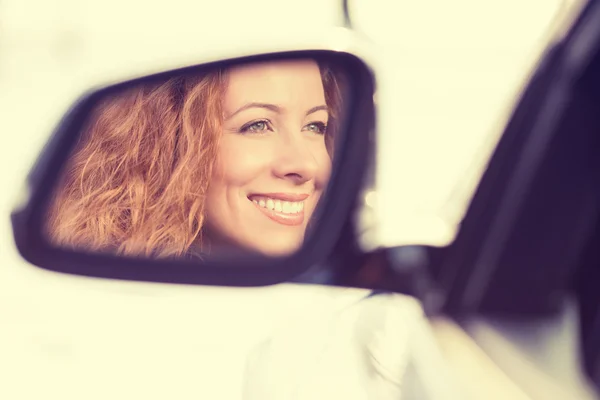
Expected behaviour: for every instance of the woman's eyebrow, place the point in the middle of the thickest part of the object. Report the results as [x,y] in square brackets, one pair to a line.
[317,108]
[272,107]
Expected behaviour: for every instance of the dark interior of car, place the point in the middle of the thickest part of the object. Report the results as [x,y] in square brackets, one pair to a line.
[587,275]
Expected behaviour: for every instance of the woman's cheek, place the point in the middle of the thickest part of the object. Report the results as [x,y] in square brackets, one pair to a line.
[325,163]
[242,158]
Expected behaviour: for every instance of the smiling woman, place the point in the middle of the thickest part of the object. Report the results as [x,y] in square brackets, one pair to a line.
[236,159]
[272,159]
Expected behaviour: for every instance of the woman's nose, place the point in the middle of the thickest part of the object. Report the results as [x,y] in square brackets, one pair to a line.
[295,161]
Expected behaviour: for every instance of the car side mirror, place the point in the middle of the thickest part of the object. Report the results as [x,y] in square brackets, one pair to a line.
[237,172]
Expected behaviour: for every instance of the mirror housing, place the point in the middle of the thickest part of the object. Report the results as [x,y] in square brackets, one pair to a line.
[350,164]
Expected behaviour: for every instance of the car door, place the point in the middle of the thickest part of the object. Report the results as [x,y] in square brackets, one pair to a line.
[146,339]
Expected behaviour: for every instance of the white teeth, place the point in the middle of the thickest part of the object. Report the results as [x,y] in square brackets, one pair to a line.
[286,207]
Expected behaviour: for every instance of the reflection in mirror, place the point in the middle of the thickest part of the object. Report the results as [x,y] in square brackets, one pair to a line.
[218,162]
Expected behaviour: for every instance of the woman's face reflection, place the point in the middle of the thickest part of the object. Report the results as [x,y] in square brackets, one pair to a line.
[272,164]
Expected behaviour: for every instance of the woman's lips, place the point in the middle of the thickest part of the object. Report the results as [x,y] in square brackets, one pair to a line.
[283,208]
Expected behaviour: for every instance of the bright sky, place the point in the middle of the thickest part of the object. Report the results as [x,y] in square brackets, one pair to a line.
[451,72]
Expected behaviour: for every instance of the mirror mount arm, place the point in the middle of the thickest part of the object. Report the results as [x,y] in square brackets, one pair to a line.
[411,270]
[402,269]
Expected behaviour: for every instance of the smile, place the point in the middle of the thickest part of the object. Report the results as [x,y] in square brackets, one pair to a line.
[283,208]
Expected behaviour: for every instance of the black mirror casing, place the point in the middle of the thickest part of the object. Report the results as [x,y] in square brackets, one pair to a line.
[348,168]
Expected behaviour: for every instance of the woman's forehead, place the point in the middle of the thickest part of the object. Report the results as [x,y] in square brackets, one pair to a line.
[275,81]
[302,66]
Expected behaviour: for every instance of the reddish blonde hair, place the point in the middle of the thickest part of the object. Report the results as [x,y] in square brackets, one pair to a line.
[137,179]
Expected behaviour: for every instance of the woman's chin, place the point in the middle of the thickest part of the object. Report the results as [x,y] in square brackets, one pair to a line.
[279,249]
[276,245]
[262,249]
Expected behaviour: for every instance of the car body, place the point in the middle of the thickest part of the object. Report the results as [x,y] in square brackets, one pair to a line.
[61,333]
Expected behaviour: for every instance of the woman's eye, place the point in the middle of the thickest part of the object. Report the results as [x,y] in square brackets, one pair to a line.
[256,126]
[317,127]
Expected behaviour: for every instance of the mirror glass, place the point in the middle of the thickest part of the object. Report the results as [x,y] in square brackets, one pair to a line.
[208,163]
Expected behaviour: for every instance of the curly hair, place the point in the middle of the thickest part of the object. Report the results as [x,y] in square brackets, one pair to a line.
[137,179]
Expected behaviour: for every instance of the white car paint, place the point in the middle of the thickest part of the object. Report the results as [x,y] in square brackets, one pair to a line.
[70,337]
